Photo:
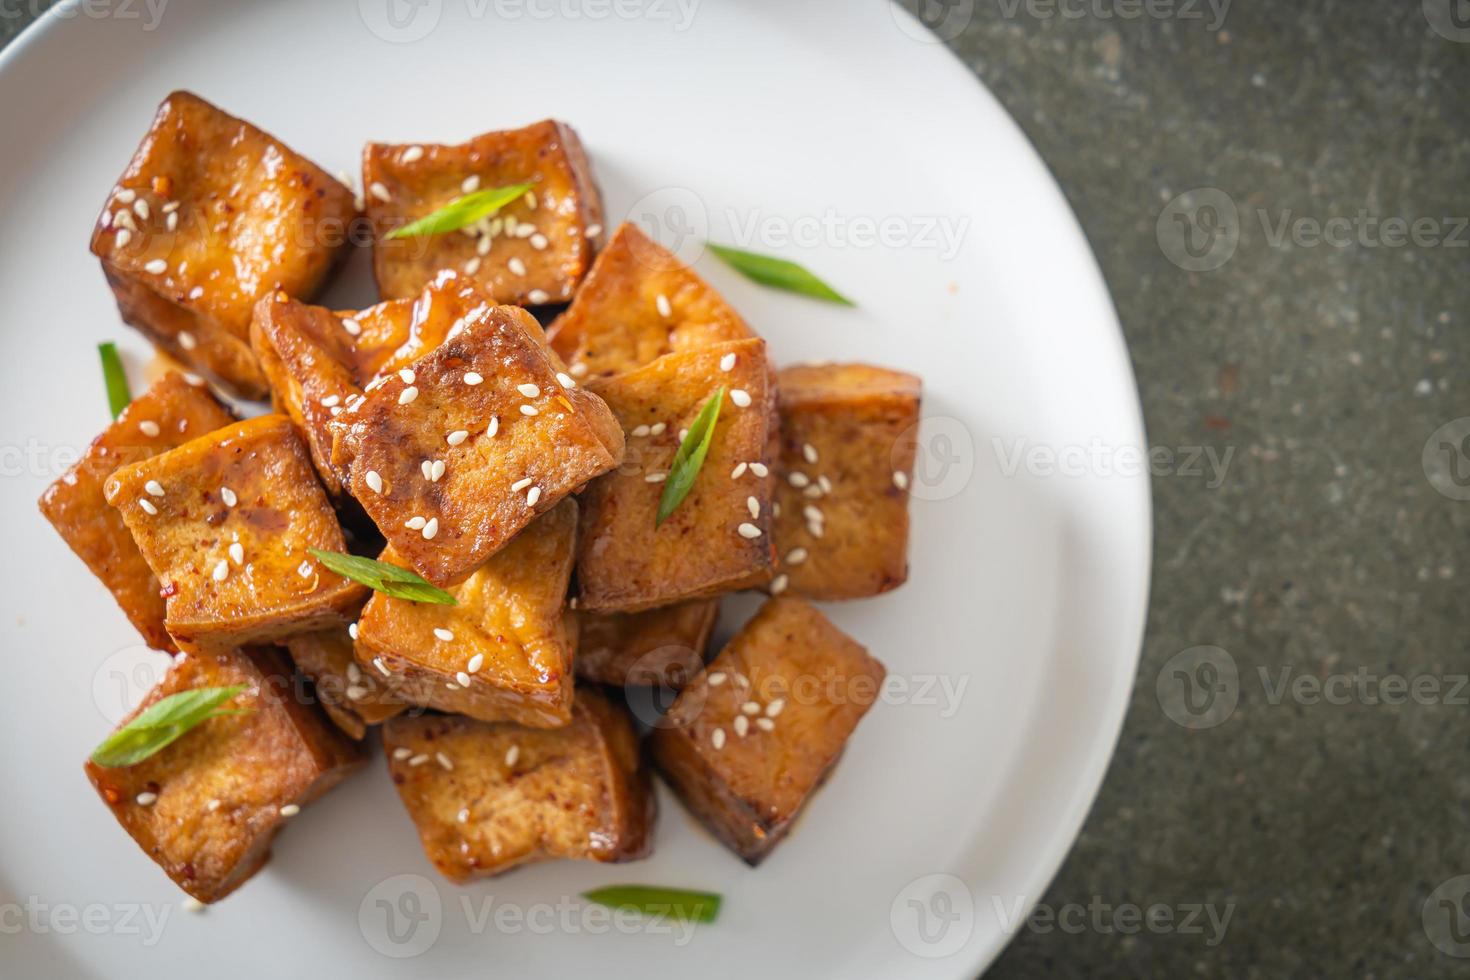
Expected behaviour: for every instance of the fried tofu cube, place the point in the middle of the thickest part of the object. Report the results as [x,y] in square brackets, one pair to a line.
[167,415]
[718,539]
[456,453]
[639,303]
[352,697]
[534,250]
[504,653]
[207,806]
[657,648]
[211,215]
[225,522]
[848,435]
[746,744]
[489,796]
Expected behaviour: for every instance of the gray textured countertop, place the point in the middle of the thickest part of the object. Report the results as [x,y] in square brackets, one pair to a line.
[1280,317]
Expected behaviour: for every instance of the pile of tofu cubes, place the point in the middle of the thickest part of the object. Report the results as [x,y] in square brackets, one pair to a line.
[443,431]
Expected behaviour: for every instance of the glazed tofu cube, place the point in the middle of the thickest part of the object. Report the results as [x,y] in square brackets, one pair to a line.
[456,453]
[207,806]
[352,697]
[533,250]
[748,741]
[657,648]
[848,434]
[167,415]
[211,215]
[488,796]
[718,539]
[504,653]
[225,522]
[639,303]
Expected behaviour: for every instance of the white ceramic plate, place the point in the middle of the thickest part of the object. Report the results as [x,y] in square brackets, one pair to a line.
[841,126]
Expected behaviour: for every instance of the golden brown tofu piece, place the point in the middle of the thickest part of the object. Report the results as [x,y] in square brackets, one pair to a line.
[748,741]
[534,250]
[225,522]
[660,647]
[352,697]
[207,806]
[211,215]
[169,414]
[489,796]
[460,450]
[504,653]
[639,303]
[718,539]
[848,435]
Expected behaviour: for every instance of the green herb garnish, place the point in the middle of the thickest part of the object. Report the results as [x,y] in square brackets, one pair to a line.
[778,273]
[390,580]
[162,723]
[118,395]
[462,211]
[689,458]
[686,906]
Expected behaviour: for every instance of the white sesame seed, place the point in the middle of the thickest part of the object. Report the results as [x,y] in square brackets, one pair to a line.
[775,508]
[760,470]
[482,247]
[140,208]
[378,663]
[542,296]
[126,196]
[356,692]
[539,242]
[521,484]
[186,340]
[156,267]
[419,759]
[739,470]
[664,309]
[717,678]
[431,529]
[305,570]
[529,390]
[237,553]
[813,513]
[749,531]
[456,437]
[472,266]
[331,400]
[191,904]
[565,380]
[415,523]
[639,431]
[195,293]
[796,556]
[594,230]
[741,679]
[472,379]
[470,183]
[426,468]
[493,427]
[727,363]
[106,220]
[146,799]
[411,155]
[683,434]
[352,630]
[742,725]
[812,492]
[169,207]
[171,222]
[408,376]
[443,761]
[463,679]
[765,724]
[149,428]
[900,479]
[376,189]
[512,754]
[815,529]
[354,673]
[751,708]
[754,506]
[476,662]
[809,453]
[436,472]
[221,570]
[443,634]
[533,495]
[463,816]
[717,738]
[658,428]
[147,506]
[798,479]
[655,477]
[516,266]
[579,369]
[123,237]
[352,327]
[401,753]
[374,480]
[124,219]
[154,488]
[530,199]
[740,397]
[508,223]
[779,583]
[529,410]
[407,395]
